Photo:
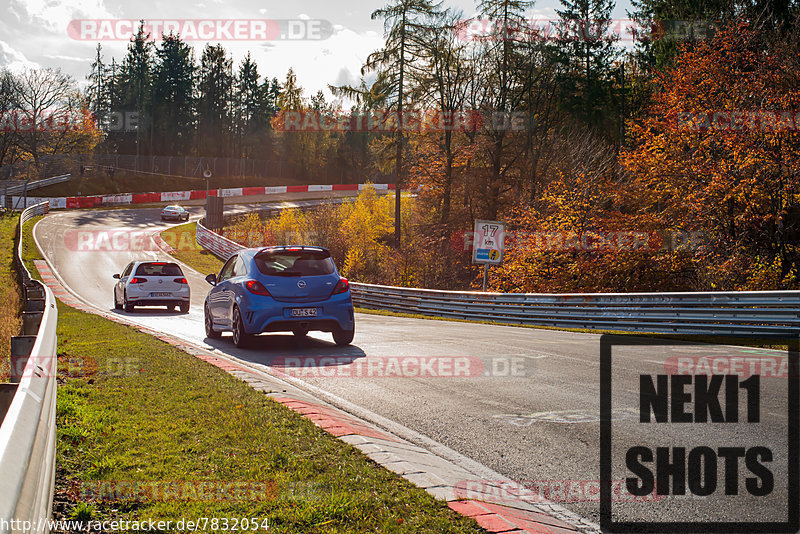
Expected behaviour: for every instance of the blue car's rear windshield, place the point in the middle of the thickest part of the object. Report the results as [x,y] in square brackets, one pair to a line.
[294,262]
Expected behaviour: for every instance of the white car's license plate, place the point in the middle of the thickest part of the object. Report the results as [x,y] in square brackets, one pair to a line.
[304,312]
[161,294]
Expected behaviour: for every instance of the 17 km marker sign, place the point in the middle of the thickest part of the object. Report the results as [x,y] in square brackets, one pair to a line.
[490,237]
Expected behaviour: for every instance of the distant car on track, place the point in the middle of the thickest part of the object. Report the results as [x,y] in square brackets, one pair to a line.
[151,283]
[175,212]
[279,289]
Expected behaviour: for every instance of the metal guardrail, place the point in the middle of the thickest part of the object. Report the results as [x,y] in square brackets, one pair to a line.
[23,188]
[718,313]
[28,408]
[221,247]
[224,248]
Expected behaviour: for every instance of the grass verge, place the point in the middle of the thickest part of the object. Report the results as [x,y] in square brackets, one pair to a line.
[146,431]
[182,239]
[10,295]
[29,250]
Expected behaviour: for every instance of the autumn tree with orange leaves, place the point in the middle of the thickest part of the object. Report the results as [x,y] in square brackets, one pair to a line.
[719,153]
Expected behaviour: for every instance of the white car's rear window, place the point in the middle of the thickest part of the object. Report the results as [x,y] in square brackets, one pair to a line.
[159,269]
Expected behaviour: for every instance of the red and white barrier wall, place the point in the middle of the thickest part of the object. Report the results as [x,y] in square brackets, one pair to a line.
[177,196]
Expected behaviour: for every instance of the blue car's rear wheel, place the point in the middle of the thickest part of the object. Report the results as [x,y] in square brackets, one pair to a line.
[240,338]
[343,337]
[210,332]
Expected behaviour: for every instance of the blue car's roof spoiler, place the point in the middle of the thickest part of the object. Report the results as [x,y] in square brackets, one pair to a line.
[293,247]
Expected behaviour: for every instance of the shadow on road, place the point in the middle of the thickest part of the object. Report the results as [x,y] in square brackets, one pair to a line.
[149,312]
[275,350]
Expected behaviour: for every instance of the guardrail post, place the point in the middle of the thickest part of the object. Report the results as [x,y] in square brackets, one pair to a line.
[34,298]
[21,347]
[30,322]
[7,392]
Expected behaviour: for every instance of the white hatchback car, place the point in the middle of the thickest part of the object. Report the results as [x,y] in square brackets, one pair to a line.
[151,283]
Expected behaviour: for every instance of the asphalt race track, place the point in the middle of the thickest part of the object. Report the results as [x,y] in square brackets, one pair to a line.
[526,405]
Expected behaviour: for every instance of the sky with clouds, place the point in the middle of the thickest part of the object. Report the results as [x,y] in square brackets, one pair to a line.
[38,33]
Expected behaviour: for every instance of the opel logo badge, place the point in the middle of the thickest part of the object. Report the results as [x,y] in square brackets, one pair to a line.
[301,284]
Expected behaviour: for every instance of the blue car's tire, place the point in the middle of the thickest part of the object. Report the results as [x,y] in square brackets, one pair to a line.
[210,332]
[343,337]
[240,338]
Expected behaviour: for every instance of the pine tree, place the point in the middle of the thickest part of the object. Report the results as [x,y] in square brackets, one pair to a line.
[214,101]
[251,119]
[173,95]
[444,83]
[134,85]
[404,21]
[500,85]
[667,23]
[97,92]
[588,54]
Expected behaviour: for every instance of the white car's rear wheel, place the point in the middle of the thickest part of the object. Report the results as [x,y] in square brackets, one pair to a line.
[128,306]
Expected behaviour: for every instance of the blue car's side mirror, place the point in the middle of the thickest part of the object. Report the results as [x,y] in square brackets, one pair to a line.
[212,279]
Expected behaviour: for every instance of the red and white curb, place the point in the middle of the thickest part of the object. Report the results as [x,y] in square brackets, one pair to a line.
[124,199]
[437,475]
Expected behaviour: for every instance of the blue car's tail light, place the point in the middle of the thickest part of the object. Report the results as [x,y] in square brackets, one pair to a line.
[342,286]
[257,288]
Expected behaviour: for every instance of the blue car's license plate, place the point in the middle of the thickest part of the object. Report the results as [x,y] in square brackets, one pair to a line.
[304,312]
[161,294]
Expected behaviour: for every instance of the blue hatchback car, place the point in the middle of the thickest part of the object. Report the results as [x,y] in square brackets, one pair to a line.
[279,289]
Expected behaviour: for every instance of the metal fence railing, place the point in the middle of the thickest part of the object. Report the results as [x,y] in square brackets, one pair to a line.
[717,313]
[20,190]
[186,166]
[224,248]
[28,408]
